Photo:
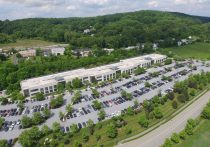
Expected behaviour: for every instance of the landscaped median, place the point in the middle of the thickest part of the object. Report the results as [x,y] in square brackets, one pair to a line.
[166,119]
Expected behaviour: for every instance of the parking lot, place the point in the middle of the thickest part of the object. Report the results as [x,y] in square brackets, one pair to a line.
[110,98]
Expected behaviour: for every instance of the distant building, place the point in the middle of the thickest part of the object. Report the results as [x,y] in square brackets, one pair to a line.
[182,42]
[28,53]
[155,46]
[82,52]
[1,50]
[86,31]
[109,50]
[131,47]
[53,50]
[58,51]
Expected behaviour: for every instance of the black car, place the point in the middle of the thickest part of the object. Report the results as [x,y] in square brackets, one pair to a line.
[79,125]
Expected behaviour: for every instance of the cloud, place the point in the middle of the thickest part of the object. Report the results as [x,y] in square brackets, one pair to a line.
[15,9]
[180,2]
[153,4]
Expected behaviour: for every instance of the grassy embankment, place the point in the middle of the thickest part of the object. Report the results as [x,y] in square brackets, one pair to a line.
[26,43]
[196,50]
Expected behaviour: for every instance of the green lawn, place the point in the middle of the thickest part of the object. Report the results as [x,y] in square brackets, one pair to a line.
[197,50]
[201,137]
[26,43]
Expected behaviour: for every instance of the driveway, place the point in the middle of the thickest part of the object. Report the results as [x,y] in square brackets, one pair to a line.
[157,137]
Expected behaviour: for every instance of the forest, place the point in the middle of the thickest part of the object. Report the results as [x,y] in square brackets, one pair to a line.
[110,31]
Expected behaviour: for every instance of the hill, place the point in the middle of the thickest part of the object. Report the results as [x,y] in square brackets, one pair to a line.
[112,31]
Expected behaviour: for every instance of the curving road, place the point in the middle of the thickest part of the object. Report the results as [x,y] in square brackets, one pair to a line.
[157,137]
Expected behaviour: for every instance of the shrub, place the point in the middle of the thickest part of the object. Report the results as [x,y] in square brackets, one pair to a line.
[167,143]
[128,130]
[111,130]
[182,135]
[157,113]
[143,121]
[206,113]
[175,138]
[174,104]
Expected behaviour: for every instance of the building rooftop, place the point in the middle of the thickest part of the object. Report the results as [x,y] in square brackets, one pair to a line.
[97,71]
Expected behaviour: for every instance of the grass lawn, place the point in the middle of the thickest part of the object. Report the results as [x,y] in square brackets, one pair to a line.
[26,43]
[200,138]
[197,50]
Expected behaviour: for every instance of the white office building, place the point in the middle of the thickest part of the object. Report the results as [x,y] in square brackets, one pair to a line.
[47,84]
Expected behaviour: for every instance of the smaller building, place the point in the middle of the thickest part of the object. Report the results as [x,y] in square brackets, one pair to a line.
[109,50]
[53,50]
[86,31]
[131,47]
[58,51]
[28,53]
[155,46]
[82,52]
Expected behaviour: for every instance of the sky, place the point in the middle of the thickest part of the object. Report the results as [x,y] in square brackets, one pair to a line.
[18,9]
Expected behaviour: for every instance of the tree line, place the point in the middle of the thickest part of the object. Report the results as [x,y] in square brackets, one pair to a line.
[112,31]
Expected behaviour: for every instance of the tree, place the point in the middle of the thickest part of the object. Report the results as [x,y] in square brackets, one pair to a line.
[46,130]
[26,122]
[175,138]
[77,83]
[157,113]
[90,125]
[69,108]
[97,105]
[57,102]
[147,84]
[182,135]
[37,118]
[1,122]
[174,104]
[167,143]
[168,61]
[123,93]
[139,71]
[95,92]
[47,113]
[129,96]
[30,137]
[189,129]
[56,127]
[143,121]
[85,137]
[60,88]
[170,95]
[3,143]
[74,128]
[69,87]
[77,96]
[39,97]
[130,111]
[206,113]
[77,144]
[101,114]
[20,105]
[136,103]
[111,130]
[61,115]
